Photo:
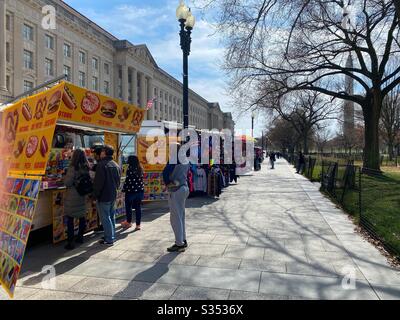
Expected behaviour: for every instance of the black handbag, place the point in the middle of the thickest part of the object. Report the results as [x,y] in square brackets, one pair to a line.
[84,184]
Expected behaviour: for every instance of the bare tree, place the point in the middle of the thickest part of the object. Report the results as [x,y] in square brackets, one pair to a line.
[390,121]
[304,45]
[282,136]
[321,139]
[306,111]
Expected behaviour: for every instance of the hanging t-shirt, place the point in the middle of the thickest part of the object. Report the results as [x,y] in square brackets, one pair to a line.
[200,180]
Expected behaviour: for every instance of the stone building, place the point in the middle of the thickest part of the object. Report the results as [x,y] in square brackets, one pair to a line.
[90,57]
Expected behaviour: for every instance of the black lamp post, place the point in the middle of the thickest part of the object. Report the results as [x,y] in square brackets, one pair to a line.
[187,21]
[253,115]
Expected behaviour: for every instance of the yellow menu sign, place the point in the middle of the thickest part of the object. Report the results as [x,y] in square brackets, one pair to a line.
[90,108]
[27,127]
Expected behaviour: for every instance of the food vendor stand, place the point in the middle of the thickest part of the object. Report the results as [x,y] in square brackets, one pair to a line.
[154,134]
[37,136]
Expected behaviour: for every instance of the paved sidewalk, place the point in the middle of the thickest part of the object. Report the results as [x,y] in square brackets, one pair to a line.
[272,236]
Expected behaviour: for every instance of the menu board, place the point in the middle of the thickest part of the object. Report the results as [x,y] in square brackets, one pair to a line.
[18,201]
[90,108]
[35,119]
[154,187]
[120,205]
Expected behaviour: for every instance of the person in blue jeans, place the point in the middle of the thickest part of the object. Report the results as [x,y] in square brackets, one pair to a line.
[106,184]
[134,193]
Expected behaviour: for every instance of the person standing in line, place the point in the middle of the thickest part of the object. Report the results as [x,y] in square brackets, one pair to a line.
[175,178]
[75,204]
[134,192]
[96,150]
[106,184]
[302,162]
[272,160]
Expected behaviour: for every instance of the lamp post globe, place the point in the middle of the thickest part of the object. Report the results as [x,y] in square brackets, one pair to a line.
[190,21]
[182,11]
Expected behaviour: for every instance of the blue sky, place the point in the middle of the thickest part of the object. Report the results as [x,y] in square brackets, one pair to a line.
[154,23]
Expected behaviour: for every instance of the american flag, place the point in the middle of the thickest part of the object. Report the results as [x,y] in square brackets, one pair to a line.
[150,103]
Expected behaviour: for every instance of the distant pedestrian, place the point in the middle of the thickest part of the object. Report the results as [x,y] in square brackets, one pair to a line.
[232,172]
[106,185]
[175,178]
[134,192]
[74,203]
[272,160]
[301,162]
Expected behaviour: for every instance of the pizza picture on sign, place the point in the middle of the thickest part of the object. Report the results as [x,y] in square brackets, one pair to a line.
[32,146]
[90,103]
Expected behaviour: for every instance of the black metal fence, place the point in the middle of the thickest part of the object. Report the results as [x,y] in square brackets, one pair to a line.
[343,184]
[362,195]
[306,169]
[371,199]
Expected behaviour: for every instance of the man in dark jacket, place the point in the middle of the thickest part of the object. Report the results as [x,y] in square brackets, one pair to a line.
[106,184]
[272,160]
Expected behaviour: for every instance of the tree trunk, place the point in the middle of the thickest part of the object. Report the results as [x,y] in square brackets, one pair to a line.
[391,150]
[371,120]
[305,142]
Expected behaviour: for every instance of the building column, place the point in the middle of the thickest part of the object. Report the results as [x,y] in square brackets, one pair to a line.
[116,81]
[125,80]
[143,95]
[40,57]
[100,75]
[60,55]
[150,95]
[90,71]
[134,87]
[3,61]
[18,55]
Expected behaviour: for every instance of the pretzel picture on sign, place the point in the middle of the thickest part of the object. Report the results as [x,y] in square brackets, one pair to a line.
[40,108]
[11,126]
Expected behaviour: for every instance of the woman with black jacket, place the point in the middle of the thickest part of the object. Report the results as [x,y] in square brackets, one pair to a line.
[134,192]
[74,203]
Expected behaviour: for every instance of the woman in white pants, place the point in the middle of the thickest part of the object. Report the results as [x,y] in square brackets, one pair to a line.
[175,177]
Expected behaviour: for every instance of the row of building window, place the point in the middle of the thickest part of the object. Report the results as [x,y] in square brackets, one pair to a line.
[28,35]
[49,71]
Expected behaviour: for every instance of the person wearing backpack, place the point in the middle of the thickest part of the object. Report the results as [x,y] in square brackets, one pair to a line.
[74,202]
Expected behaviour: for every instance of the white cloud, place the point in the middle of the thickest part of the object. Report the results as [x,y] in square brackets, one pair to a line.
[158,29]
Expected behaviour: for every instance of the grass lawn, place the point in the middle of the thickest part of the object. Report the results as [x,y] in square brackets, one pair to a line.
[381,206]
